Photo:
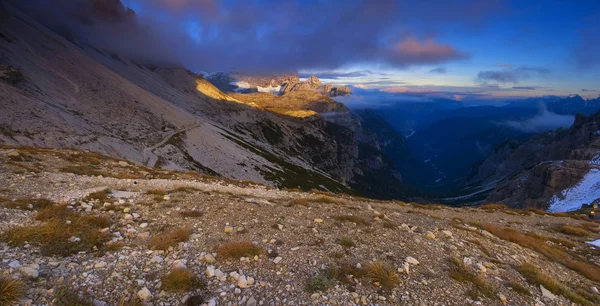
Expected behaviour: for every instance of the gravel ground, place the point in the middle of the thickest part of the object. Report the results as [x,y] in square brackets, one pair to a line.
[301,236]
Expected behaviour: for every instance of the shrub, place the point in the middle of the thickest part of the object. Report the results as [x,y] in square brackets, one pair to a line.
[67,297]
[238,249]
[181,279]
[347,242]
[11,291]
[350,218]
[102,196]
[165,240]
[319,282]
[382,273]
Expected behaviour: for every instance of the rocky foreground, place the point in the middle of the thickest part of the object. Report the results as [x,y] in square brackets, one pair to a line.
[78,228]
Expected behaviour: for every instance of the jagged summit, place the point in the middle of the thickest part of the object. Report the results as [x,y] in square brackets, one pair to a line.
[313,83]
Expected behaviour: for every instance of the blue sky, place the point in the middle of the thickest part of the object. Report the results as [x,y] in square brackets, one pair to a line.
[459,49]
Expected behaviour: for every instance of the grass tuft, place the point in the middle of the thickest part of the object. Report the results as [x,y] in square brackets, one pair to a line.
[382,273]
[350,218]
[156,192]
[553,253]
[347,242]
[165,240]
[459,272]
[299,201]
[571,230]
[181,279]
[191,213]
[11,291]
[319,282]
[536,276]
[67,297]
[517,287]
[36,204]
[328,200]
[235,250]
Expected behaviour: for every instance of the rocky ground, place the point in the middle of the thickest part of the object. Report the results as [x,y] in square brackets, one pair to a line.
[112,233]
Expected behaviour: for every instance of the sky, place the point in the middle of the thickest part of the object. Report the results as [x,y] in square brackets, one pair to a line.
[457,49]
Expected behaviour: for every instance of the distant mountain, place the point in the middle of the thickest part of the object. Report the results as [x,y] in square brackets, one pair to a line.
[557,170]
[314,84]
[64,93]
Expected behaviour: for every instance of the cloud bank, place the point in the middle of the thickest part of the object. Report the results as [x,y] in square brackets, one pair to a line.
[542,122]
[257,36]
[510,75]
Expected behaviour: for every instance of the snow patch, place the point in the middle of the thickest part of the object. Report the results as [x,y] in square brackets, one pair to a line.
[243,85]
[595,243]
[585,192]
[595,160]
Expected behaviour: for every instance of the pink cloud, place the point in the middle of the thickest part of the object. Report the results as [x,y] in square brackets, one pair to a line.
[427,51]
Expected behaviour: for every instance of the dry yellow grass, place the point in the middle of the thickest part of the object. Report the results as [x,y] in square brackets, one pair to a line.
[181,279]
[11,291]
[493,207]
[54,234]
[571,230]
[517,287]
[555,254]
[350,218]
[536,276]
[328,200]
[191,213]
[165,240]
[299,201]
[35,204]
[158,192]
[459,272]
[235,250]
[382,273]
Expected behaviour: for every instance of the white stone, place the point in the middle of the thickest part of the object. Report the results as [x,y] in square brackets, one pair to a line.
[595,290]
[210,271]
[212,302]
[242,282]
[143,225]
[480,268]
[250,280]
[547,294]
[101,264]
[237,291]
[405,267]
[29,272]
[277,259]
[447,233]
[467,261]
[251,302]
[144,294]
[14,264]
[209,259]
[411,260]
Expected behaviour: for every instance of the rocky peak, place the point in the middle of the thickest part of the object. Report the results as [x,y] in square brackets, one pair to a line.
[313,83]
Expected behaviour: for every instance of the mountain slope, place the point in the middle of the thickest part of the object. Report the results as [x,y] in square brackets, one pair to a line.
[542,171]
[68,93]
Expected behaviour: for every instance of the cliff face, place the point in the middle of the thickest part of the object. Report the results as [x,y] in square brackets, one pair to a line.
[541,171]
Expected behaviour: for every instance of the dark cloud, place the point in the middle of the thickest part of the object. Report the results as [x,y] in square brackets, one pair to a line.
[439,70]
[510,75]
[588,90]
[277,36]
[525,87]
